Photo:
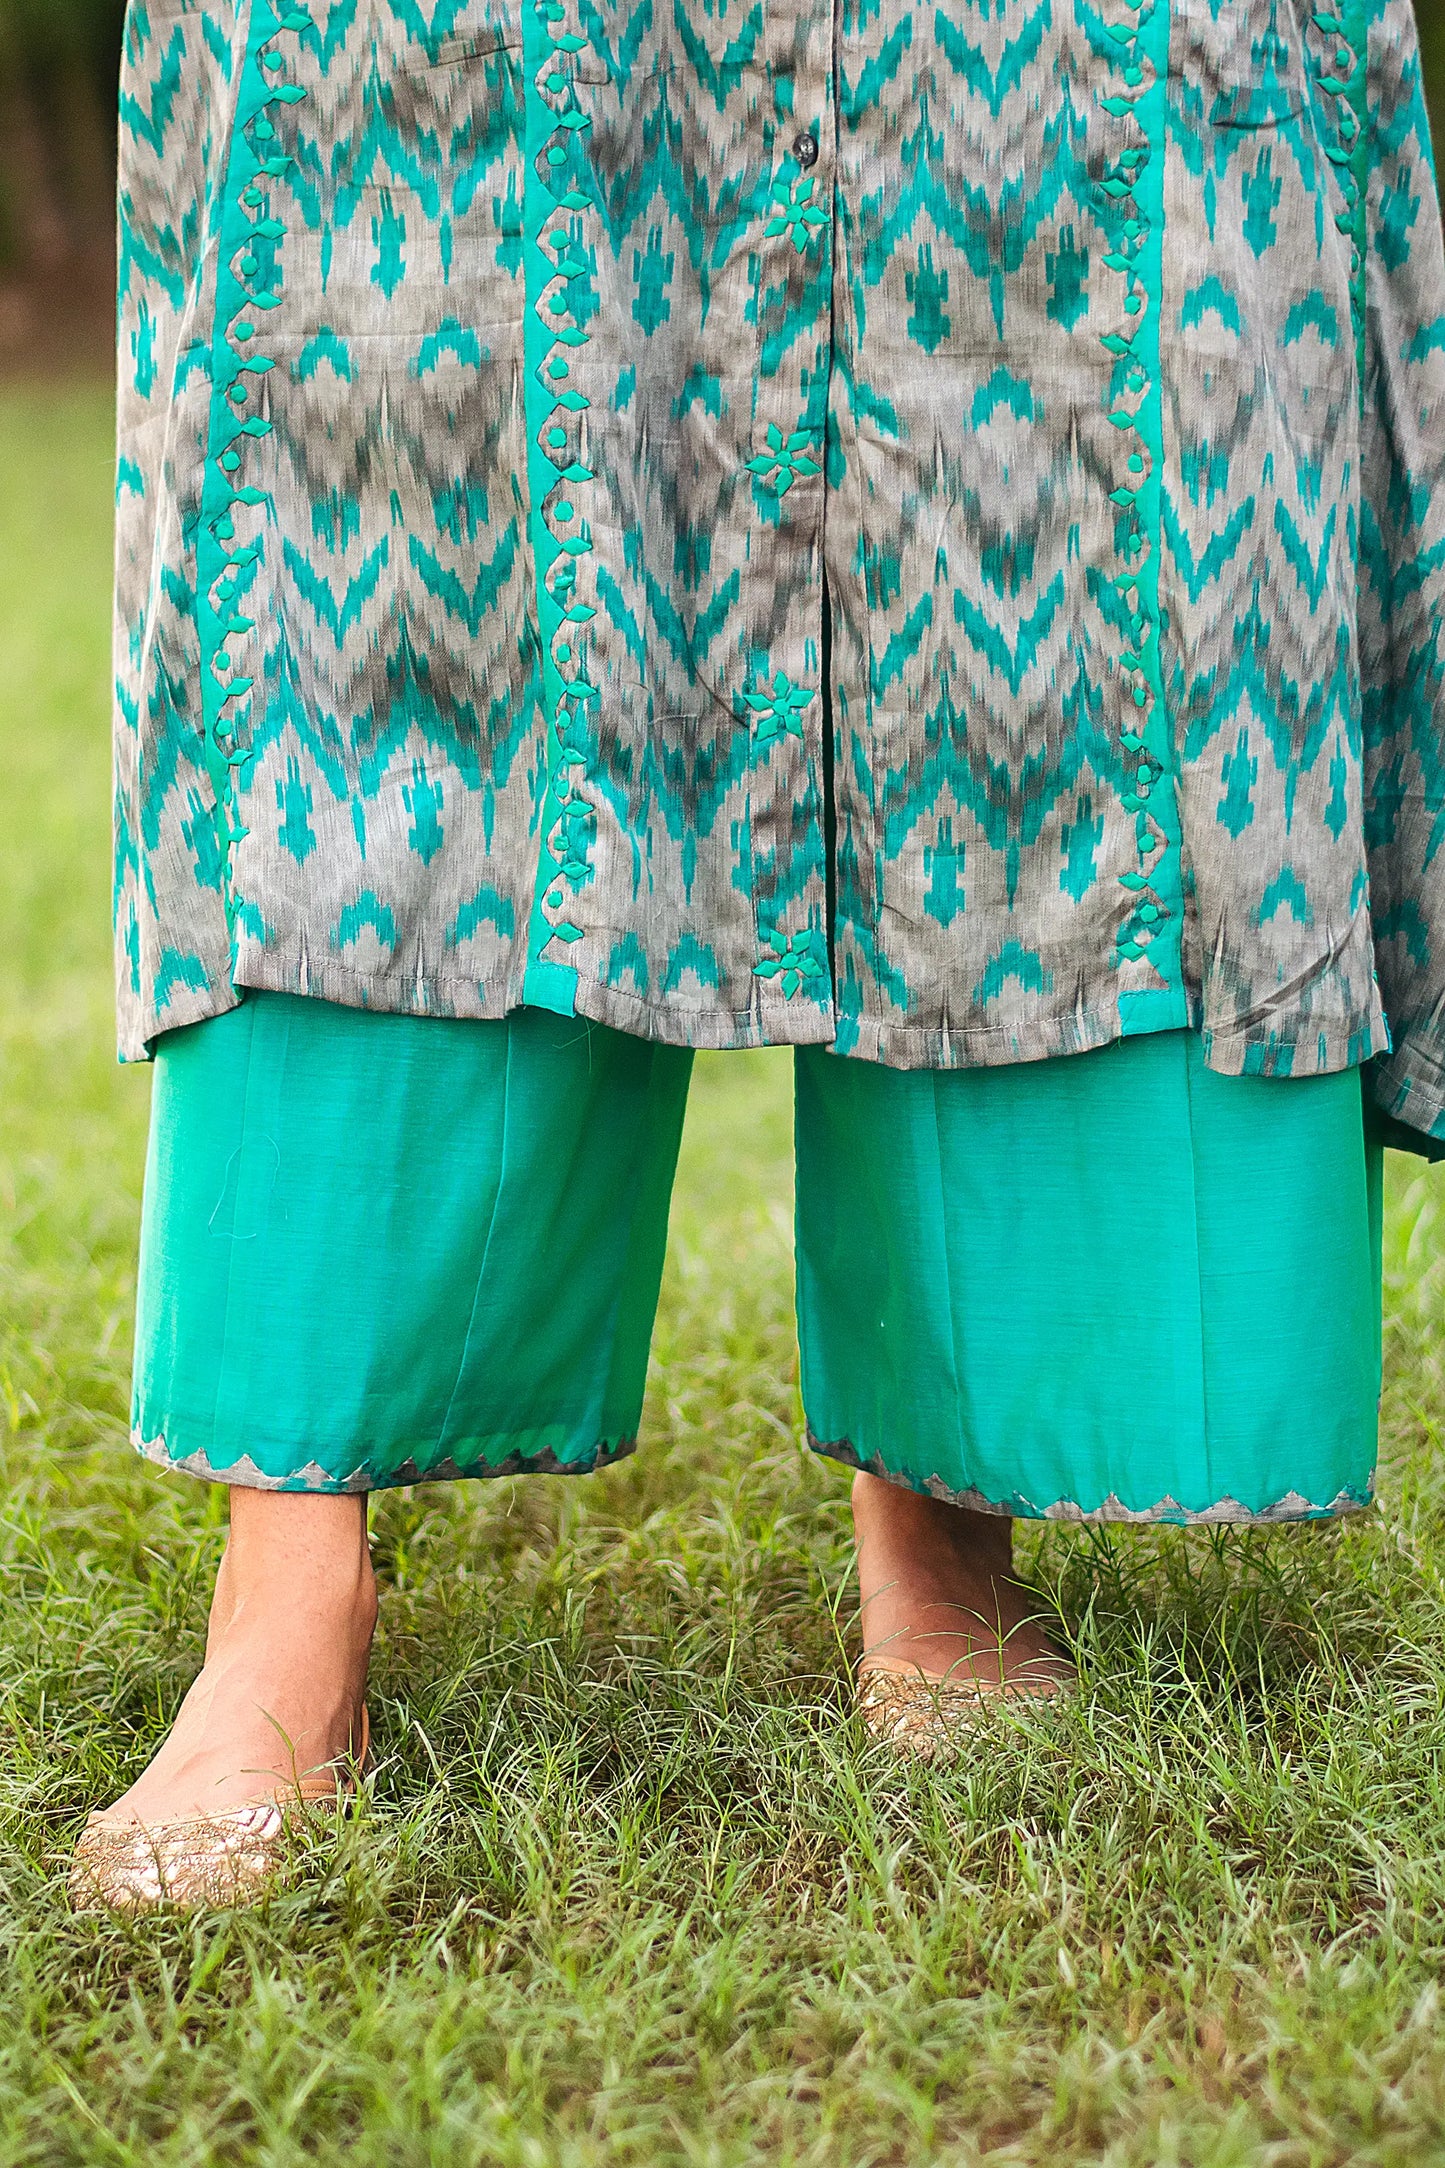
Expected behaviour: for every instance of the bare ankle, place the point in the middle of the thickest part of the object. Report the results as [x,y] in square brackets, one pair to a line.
[892,1513]
[294,1555]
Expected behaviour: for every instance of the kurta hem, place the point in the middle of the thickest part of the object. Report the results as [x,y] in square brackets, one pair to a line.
[1409,1086]
[1347,1043]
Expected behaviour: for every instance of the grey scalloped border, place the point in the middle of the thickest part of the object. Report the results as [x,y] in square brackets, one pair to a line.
[1224,1513]
[312,1479]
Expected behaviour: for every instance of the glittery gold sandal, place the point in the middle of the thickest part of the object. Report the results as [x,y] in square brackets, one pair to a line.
[903,1707]
[207,1860]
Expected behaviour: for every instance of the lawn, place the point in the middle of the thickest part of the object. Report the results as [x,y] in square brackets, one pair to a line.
[628,1886]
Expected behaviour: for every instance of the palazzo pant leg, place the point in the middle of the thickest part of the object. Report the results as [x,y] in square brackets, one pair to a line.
[381,1248]
[1112,1286]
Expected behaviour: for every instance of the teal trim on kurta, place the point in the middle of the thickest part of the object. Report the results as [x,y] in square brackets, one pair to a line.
[377,1249]
[1164,1009]
[1116,1286]
[559,188]
[1153,925]
[551,986]
[247,282]
[1341,49]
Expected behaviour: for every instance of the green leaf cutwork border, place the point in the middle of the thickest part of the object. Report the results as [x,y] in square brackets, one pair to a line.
[559,195]
[251,230]
[1133,187]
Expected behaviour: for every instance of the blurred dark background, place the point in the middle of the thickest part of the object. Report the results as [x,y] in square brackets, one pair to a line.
[58,65]
[58,61]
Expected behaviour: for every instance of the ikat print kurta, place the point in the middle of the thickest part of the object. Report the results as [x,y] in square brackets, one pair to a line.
[919,528]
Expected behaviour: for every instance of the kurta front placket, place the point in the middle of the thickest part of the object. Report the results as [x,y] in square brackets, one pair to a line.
[766,234]
[785,703]
[1149,939]
[231,531]
[562,242]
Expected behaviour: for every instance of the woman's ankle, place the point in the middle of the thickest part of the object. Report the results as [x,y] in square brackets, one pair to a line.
[294,1556]
[282,1692]
[938,1592]
[897,1516]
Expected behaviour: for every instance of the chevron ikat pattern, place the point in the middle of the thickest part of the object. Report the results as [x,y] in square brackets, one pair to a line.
[916,528]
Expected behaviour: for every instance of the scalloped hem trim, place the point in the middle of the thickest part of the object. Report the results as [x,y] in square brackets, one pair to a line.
[243,1474]
[1224,1513]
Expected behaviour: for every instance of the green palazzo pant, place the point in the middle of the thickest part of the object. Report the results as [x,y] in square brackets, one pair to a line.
[379,1249]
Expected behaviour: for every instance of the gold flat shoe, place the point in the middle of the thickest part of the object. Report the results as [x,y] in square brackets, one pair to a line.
[903,1707]
[207,1860]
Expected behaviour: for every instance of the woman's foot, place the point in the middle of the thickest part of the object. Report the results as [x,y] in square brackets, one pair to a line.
[281,1697]
[939,1596]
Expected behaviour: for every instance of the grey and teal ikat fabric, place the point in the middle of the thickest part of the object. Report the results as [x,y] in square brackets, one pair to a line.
[913,527]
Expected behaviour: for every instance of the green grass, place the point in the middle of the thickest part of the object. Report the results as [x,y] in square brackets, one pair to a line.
[627,1886]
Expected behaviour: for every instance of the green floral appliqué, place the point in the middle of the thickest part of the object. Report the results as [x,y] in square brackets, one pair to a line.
[785,459]
[796,212]
[778,708]
[796,959]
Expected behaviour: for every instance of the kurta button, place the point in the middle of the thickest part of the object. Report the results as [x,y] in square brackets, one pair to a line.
[805,149]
